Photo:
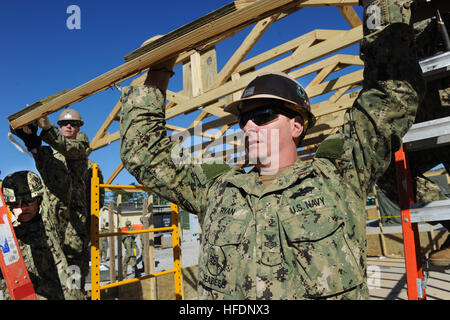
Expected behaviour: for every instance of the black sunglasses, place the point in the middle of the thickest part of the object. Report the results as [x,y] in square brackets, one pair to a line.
[263,115]
[21,203]
[73,123]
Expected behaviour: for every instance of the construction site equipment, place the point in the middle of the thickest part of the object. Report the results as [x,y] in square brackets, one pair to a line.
[95,251]
[207,89]
[12,264]
[438,66]
[425,135]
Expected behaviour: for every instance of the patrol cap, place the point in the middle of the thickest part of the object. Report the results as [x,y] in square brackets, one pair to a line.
[277,86]
[70,114]
[22,185]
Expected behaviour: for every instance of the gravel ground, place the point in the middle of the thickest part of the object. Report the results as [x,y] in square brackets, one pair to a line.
[189,256]
[164,257]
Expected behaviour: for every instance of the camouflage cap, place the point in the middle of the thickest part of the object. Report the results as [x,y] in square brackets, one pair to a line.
[22,185]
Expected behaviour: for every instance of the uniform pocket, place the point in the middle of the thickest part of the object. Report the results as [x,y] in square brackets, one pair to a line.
[323,253]
[221,261]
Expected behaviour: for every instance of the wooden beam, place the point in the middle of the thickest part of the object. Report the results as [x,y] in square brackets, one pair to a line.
[348,79]
[37,104]
[239,55]
[276,52]
[105,140]
[322,3]
[248,43]
[114,174]
[315,52]
[327,107]
[177,33]
[196,74]
[104,127]
[350,15]
[341,84]
[322,75]
[225,25]
[138,188]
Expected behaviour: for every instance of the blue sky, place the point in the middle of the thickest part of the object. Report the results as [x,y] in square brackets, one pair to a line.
[40,56]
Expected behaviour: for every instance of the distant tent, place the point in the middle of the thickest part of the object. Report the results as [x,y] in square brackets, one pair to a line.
[390,211]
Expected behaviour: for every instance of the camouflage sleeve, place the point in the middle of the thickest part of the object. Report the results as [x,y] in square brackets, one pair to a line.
[54,173]
[71,149]
[4,292]
[146,150]
[385,108]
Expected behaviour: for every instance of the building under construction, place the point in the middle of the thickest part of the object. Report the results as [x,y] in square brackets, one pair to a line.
[397,238]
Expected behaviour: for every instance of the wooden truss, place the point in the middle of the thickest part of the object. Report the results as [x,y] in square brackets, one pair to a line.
[206,89]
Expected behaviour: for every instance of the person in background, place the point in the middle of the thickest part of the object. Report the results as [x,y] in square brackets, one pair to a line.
[129,241]
[286,229]
[35,227]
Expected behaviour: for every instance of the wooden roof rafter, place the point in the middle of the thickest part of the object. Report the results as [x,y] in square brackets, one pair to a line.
[307,54]
[323,68]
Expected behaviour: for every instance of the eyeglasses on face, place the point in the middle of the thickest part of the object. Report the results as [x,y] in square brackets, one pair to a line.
[73,123]
[263,115]
[21,203]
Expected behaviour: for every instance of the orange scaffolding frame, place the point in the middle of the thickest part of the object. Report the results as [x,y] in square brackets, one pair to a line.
[95,235]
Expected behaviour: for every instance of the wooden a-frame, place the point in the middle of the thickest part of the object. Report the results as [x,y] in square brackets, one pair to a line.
[206,89]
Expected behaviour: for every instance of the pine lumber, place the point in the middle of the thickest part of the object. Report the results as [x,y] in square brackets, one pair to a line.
[249,13]
[36,105]
[209,18]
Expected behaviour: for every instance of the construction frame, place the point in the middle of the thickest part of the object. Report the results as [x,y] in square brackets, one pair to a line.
[96,287]
[209,90]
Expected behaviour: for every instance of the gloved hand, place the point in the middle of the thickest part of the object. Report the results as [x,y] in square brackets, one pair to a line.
[29,136]
[44,123]
[160,74]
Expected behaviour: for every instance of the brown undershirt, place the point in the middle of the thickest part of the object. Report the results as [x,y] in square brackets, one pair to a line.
[267,179]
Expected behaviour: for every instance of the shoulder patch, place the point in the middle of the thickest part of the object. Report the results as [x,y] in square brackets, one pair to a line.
[331,148]
[213,170]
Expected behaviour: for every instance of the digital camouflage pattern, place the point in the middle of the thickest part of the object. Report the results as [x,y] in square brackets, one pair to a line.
[74,224]
[303,236]
[22,186]
[436,104]
[130,245]
[40,246]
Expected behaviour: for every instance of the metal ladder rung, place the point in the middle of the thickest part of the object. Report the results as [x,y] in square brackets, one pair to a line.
[430,211]
[436,66]
[428,134]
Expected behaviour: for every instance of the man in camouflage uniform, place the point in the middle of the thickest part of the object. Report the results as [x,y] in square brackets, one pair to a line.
[35,227]
[436,104]
[130,249]
[301,234]
[104,246]
[69,145]
[68,152]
